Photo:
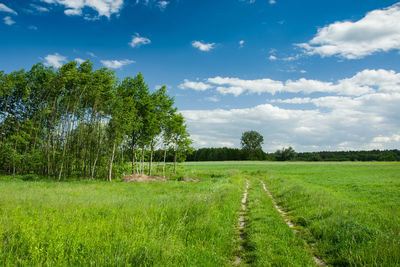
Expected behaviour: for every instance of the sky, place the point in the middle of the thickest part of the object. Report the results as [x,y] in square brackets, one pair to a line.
[314,75]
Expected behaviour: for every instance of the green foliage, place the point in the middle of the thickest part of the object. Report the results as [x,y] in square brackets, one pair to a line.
[251,140]
[285,154]
[79,122]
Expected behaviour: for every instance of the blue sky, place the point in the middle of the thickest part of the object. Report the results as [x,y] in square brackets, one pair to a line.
[315,75]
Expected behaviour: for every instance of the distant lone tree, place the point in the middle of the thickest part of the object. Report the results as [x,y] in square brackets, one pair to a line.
[251,142]
[285,154]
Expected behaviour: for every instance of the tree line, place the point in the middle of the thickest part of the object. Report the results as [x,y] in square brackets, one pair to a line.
[288,154]
[76,121]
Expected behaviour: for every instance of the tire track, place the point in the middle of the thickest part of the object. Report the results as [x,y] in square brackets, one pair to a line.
[242,224]
[317,260]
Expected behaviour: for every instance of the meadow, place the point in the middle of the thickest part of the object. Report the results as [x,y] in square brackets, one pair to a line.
[345,213]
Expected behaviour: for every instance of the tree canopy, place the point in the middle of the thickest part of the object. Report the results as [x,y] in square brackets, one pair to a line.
[81,122]
[251,142]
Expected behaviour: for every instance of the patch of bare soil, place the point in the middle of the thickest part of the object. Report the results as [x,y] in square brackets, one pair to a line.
[142,178]
[133,178]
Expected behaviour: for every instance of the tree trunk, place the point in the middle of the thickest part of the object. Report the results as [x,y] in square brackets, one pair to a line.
[48,154]
[97,154]
[111,164]
[151,157]
[175,156]
[143,160]
[137,165]
[133,156]
[15,149]
[165,155]
[65,146]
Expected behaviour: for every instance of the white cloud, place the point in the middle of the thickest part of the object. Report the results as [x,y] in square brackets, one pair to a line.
[38,8]
[303,71]
[137,41]
[364,82]
[272,57]
[197,86]
[73,12]
[271,2]
[102,7]
[360,112]
[291,58]
[334,123]
[203,46]
[8,20]
[4,8]
[212,99]
[55,60]
[378,31]
[116,64]
[163,4]
[33,28]
[79,60]
[91,54]
[241,43]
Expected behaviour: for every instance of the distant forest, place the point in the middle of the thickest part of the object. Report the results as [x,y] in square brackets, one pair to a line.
[224,153]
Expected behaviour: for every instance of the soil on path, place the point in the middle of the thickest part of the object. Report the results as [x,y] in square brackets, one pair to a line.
[317,260]
[242,224]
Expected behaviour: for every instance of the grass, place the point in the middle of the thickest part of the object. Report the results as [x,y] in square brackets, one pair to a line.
[269,241]
[348,213]
[118,224]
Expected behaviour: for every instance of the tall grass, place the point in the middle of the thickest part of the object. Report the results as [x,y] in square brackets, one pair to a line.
[118,224]
[269,241]
[349,212]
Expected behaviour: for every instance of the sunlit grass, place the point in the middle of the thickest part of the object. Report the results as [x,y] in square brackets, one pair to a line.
[118,224]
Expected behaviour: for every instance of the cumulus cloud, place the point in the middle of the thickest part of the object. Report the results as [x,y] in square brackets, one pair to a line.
[163,4]
[55,60]
[360,112]
[8,20]
[79,60]
[378,31]
[197,86]
[272,57]
[137,41]
[116,64]
[4,8]
[336,123]
[203,46]
[366,81]
[102,7]
[271,2]
[241,43]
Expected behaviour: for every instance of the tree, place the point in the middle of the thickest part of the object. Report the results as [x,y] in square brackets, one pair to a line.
[285,154]
[75,121]
[251,142]
[177,133]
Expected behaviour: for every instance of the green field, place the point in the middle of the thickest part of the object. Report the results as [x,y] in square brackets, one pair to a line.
[345,213]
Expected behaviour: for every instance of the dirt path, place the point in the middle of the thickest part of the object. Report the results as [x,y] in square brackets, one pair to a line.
[317,260]
[242,224]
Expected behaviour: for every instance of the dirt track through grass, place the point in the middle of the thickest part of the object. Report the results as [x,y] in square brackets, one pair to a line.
[242,225]
[317,260]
